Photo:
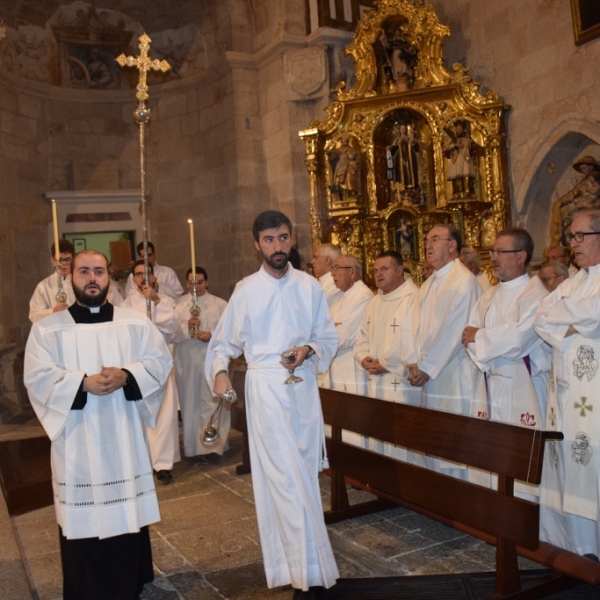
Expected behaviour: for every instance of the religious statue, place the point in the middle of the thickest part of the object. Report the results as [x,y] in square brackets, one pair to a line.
[584,194]
[404,239]
[346,163]
[488,233]
[401,58]
[461,151]
[402,159]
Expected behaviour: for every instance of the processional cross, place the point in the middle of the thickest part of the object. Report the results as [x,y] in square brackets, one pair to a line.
[141,115]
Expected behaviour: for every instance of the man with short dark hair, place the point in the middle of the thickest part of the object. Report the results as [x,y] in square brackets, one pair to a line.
[44,302]
[569,320]
[274,310]
[377,348]
[165,276]
[95,375]
[195,396]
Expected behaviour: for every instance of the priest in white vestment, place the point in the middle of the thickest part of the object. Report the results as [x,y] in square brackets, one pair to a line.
[471,259]
[433,352]
[348,312]
[377,348]
[321,264]
[95,375]
[165,276]
[277,309]
[196,399]
[43,302]
[569,320]
[164,438]
[562,255]
[513,361]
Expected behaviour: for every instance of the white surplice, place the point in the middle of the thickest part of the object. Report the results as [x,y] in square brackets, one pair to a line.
[164,438]
[331,290]
[510,389]
[196,399]
[101,471]
[567,520]
[168,284]
[264,317]
[504,316]
[380,337]
[348,312]
[432,335]
[44,297]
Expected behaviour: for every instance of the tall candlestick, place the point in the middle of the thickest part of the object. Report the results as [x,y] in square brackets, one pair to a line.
[193,249]
[55,225]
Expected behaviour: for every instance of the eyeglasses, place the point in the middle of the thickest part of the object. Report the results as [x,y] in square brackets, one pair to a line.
[497,252]
[435,239]
[65,261]
[579,236]
[139,274]
[337,268]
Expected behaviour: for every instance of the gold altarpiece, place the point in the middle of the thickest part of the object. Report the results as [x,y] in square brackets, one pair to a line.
[408,146]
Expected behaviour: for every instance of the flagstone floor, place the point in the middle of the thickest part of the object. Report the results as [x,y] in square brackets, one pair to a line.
[206,545]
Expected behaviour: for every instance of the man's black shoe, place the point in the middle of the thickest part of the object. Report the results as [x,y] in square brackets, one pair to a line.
[164,476]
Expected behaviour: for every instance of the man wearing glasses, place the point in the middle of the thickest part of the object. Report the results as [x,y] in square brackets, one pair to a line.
[569,320]
[433,353]
[513,361]
[43,302]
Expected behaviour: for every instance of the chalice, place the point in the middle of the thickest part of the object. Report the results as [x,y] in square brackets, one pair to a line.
[289,356]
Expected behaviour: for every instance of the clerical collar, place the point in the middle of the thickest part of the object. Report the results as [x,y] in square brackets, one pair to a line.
[83,314]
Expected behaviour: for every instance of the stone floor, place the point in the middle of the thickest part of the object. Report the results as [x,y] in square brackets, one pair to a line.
[206,545]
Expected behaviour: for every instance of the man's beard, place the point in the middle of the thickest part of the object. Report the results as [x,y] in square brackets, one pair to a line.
[90,300]
[278,260]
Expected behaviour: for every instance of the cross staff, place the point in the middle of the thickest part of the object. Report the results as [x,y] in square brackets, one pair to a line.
[141,115]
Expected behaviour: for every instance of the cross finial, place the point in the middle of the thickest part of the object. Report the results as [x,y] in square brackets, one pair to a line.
[143,63]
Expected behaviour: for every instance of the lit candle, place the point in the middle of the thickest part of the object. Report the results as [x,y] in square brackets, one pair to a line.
[193,248]
[55,225]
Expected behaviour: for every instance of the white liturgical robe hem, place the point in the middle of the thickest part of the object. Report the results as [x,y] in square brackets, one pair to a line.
[264,317]
[101,472]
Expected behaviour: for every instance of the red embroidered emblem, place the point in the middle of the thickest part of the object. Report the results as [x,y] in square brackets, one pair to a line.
[482,414]
[528,419]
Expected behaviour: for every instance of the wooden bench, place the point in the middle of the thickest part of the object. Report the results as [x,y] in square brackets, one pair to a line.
[497,517]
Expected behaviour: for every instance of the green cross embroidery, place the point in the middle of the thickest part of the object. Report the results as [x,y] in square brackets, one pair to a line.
[552,416]
[583,406]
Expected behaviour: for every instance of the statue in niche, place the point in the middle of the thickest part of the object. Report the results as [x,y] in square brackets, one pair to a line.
[400,59]
[461,152]
[345,161]
[402,159]
[584,194]
[488,233]
[404,239]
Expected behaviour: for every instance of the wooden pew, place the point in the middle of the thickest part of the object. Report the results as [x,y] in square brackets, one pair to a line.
[497,517]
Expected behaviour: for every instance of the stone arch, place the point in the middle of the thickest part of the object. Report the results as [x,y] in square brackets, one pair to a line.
[570,138]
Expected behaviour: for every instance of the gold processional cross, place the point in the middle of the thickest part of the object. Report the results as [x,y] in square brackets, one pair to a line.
[141,115]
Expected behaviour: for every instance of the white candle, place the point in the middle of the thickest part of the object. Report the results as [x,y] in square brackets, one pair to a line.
[193,248]
[55,225]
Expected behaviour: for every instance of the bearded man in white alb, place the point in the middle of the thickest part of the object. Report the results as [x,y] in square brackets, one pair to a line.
[377,348]
[513,361]
[95,375]
[164,438]
[321,264]
[195,396]
[569,320]
[274,310]
[433,352]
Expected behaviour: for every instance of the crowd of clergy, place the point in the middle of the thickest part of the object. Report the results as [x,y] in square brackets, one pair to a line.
[516,347]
